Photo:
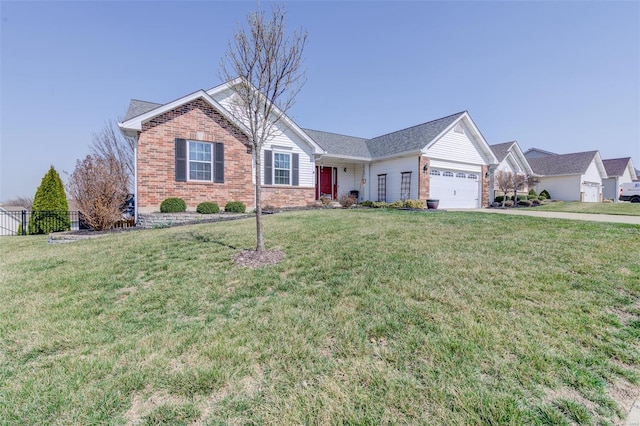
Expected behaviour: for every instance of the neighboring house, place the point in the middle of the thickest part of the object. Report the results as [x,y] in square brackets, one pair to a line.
[569,177]
[510,159]
[194,148]
[537,153]
[619,171]
[10,219]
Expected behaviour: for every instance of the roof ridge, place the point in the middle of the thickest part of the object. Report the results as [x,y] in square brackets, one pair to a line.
[333,133]
[418,125]
[148,102]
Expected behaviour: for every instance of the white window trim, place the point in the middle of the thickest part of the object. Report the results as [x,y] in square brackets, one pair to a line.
[189,142]
[290,169]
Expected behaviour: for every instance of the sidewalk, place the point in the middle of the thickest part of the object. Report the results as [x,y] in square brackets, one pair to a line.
[634,220]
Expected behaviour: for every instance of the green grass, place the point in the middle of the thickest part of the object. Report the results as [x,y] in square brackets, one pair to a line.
[627,209]
[373,317]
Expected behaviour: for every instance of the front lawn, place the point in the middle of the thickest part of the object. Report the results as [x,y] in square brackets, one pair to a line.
[372,317]
[627,209]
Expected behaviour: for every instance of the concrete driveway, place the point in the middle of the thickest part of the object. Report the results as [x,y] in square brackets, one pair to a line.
[634,220]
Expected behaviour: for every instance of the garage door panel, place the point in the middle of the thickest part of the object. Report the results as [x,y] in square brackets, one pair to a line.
[454,188]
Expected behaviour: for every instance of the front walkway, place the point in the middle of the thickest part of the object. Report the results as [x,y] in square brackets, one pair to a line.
[634,220]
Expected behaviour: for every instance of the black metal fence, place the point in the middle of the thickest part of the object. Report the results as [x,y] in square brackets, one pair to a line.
[24,222]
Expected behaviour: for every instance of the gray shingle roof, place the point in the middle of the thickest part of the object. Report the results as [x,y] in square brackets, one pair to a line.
[562,164]
[500,150]
[537,152]
[406,140]
[616,166]
[340,144]
[411,139]
[137,108]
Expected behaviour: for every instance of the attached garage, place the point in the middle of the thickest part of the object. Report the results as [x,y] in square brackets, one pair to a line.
[454,188]
[590,192]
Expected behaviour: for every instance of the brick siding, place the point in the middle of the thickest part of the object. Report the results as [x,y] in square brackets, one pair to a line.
[197,120]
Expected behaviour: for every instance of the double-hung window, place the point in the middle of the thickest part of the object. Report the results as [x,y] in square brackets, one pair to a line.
[281,168]
[200,161]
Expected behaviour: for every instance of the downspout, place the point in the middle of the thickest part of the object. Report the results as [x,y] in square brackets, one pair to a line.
[135,180]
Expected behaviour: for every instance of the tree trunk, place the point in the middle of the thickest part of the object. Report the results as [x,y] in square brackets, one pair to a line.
[259,240]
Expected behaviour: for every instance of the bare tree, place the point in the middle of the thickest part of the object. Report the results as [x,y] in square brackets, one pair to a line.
[99,186]
[518,182]
[266,63]
[504,181]
[22,201]
[111,143]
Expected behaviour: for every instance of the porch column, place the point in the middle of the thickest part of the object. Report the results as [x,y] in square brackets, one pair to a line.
[365,183]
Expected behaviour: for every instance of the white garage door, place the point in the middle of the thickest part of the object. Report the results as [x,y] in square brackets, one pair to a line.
[455,189]
[591,192]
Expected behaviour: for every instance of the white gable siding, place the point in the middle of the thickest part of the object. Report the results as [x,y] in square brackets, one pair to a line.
[393,169]
[592,174]
[289,142]
[286,141]
[565,188]
[455,146]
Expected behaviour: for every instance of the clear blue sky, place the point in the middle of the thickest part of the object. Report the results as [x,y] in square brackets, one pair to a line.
[561,76]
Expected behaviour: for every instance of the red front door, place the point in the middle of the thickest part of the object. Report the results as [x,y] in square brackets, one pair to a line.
[326,182]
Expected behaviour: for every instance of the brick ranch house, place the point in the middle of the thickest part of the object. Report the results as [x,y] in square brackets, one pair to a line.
[194,148]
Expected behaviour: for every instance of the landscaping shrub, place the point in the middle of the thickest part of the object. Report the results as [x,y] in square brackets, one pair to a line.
[532,197]
[379,205]
[396,205]
[235,207]
[99,186]
[545,194]
[525,203]
[414,204]
[346,200]
[499,199]
[532,192]
[208,207]
[508,203]
[50,211]
[366,203]
[520,198]
[173,205]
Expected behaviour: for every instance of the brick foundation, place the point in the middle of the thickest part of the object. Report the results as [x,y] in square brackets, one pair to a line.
[279,196]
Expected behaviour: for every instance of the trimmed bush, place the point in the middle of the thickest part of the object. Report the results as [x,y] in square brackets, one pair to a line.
[499,199]
[414,204]
[396,205]
[50,211]
[532,197]
[366,203]
[545,194]
[346,200]
[520,198]
[208,207]
[532,192]
[235,207]
[379,205]
[173,205]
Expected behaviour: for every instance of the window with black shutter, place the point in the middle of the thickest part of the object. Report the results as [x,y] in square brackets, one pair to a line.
[199,161]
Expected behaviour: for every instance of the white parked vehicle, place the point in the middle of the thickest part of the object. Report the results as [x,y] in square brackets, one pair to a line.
[630,192]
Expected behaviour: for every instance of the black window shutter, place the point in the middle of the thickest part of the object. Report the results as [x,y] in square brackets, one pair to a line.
[268,167]
[218,166]
[295,165]
[181,160]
